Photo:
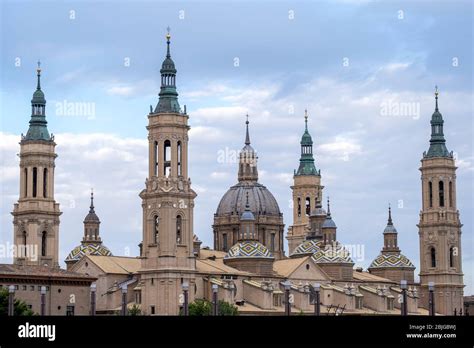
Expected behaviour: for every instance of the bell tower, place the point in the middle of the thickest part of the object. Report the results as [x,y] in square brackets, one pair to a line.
[307,191]
[440,226]
[168,258]
[36,215]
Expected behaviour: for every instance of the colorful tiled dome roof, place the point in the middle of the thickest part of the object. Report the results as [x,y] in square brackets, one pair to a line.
[308,247]
[88,249]
[249,248]
[332,254]
[391,260]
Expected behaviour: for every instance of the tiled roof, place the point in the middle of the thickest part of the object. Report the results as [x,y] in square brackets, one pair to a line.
[7,270]
[285,267]
[368,277]
[217,267]
[116,264]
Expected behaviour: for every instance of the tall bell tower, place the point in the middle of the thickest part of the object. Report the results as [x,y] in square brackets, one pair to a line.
[307,191]
[168,258]
[36,215]
[440,226]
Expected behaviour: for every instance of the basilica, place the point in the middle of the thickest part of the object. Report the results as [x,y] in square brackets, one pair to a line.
[248,266]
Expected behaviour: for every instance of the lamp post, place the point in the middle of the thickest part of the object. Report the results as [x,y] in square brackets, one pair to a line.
[43,300]
[431,303]
[11,300]
[93,292]
[317,304]
[185,287]
[215,288]
[287,286]
[124,299]
[403,286]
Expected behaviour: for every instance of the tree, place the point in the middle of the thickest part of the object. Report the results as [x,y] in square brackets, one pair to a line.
[135,310]
[19,307]
[203,308]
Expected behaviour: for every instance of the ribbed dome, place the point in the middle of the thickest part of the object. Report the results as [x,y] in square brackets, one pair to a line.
[391,260]
[261,200]
[319,211]
[38,97]
[248,248]
[88,249]
[91,217]
[168,66]
[329,222]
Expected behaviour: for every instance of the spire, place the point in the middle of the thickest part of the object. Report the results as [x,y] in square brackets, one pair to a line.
[91,210]
[38,129]
[247,214]
[390,228]
[306,121]
[168,37]
[38,71]
[389,215]
[247,159]
[247,136]
[328,222]
[168,96]
[306,160]
[437,141]
[390,235]
[91,224]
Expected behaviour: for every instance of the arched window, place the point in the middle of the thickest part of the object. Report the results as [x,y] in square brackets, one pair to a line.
[451,257]
[178,229]
[167,158]
[299,206]
[156,228]
[441,193]
[155,155]
[26,182]
[179,158]
[450,194]
[433,257]
[308,206]
[430,192]
[43,243]
[45,182]
[35,180]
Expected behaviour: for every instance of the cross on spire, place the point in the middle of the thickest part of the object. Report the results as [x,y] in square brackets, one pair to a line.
[436,97]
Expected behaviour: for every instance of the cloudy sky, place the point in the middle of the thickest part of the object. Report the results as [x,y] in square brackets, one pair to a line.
[365,70]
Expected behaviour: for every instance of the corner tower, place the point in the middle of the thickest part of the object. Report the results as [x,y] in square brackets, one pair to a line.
[307,191]
[440,226]
[167,251]
[391,263]
[36,215]
[91,242]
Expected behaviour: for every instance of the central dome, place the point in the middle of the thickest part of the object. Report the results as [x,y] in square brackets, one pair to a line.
[261,200]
